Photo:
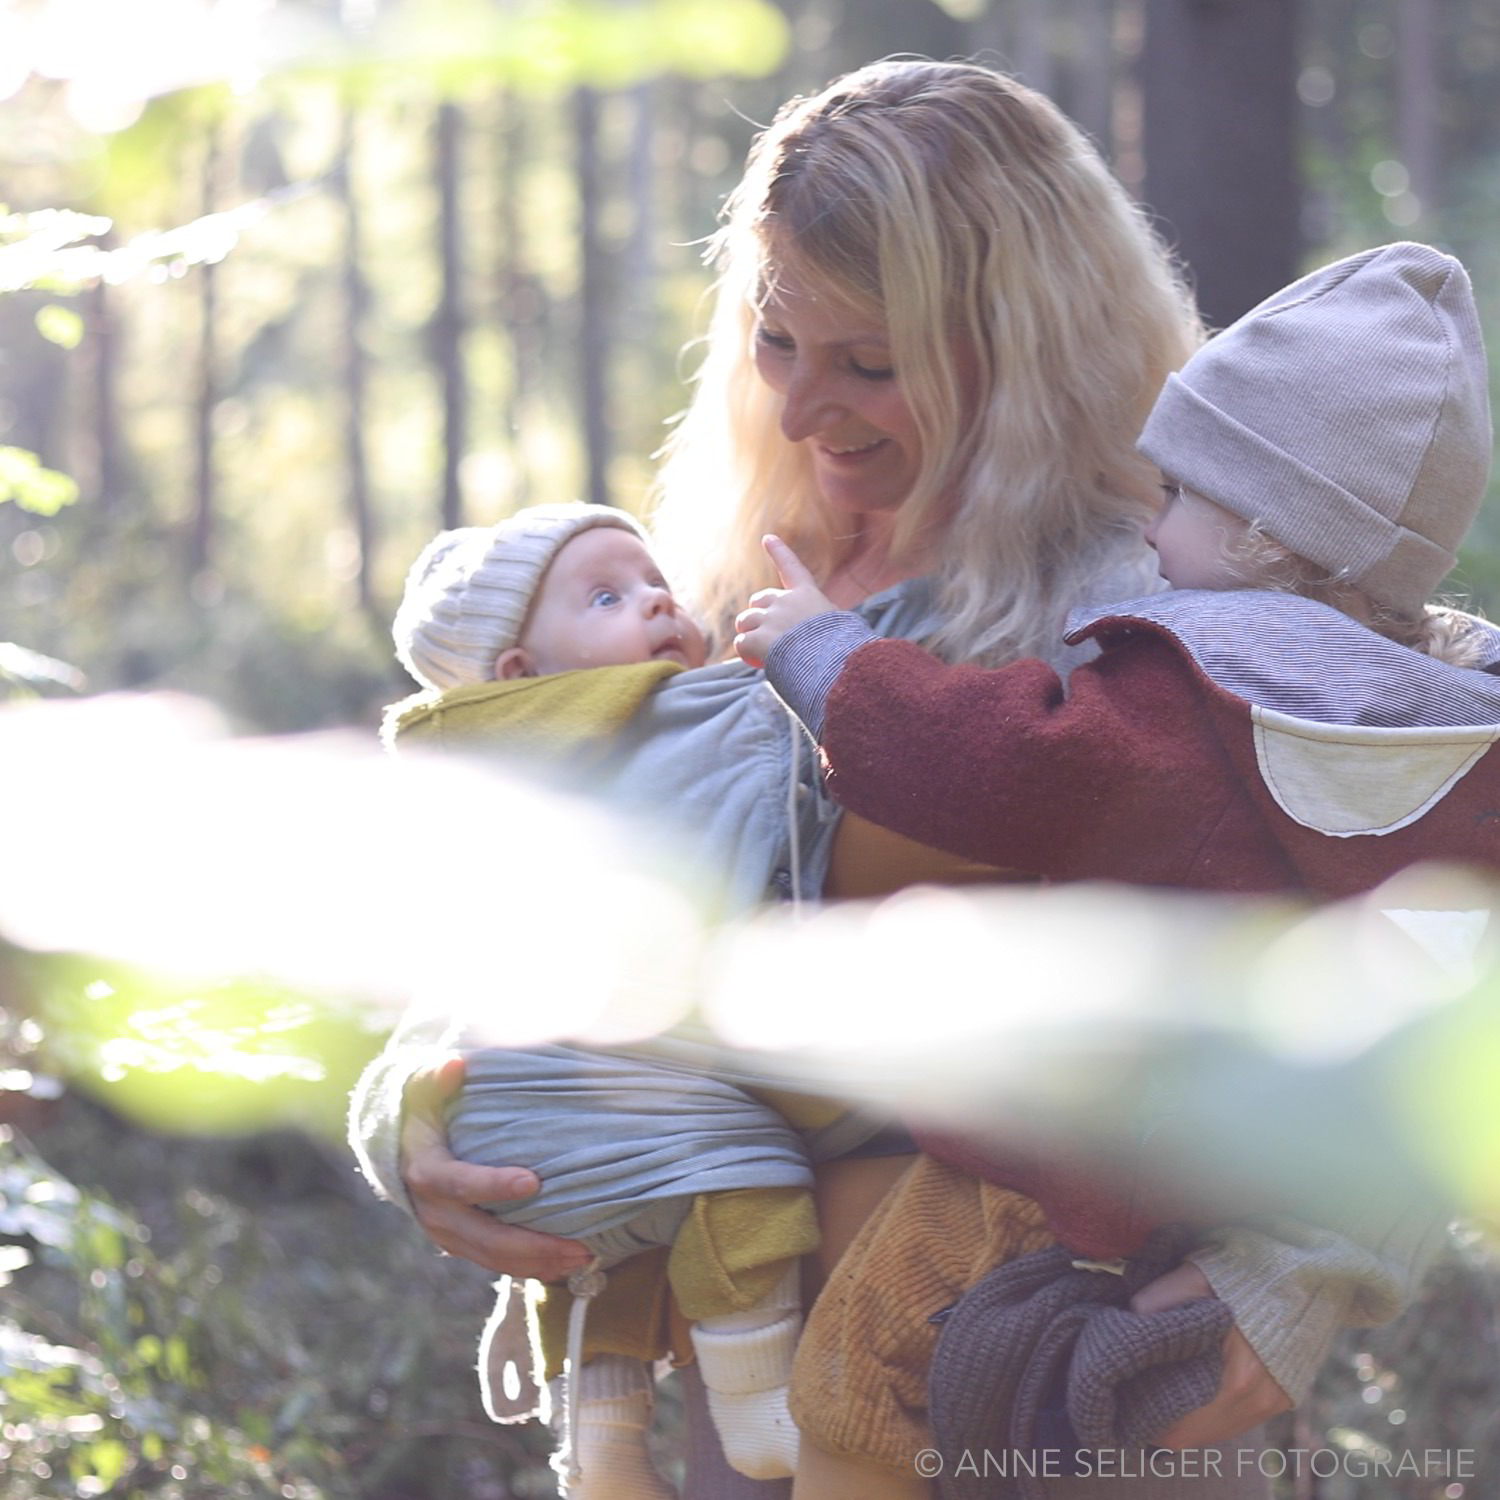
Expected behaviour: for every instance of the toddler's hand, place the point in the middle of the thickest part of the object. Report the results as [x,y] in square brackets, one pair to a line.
[773,612]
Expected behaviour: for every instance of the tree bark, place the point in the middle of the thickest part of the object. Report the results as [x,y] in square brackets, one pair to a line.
[448,321]
[1220,108]
[1418,97]
[205,504]
[594,339]
[519,297]
[104,341]
[356,297]
[1092,95]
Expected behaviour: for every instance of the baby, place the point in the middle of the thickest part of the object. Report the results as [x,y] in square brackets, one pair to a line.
[554,633]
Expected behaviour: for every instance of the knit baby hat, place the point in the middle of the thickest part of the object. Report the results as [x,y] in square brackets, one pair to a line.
[1349,415]
[468,593]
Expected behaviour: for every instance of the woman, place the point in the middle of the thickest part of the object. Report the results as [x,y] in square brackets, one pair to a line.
[940,324]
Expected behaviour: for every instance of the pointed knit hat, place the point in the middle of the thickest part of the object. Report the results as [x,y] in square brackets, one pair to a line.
[1349,415]
[468,593]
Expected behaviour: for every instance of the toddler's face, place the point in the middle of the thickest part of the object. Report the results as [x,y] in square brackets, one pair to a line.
[603,603]
[1195,541]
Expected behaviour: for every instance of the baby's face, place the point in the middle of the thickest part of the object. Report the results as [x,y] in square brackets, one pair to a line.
[604,603]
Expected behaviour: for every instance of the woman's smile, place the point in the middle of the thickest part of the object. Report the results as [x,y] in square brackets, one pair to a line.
[842,397]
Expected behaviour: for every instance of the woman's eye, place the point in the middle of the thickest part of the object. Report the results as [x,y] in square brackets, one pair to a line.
[780,342]
[871,371]
[604,598]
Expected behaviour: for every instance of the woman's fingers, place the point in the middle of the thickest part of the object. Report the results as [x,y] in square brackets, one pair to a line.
[1246,1397]
[444,1190]
[1247,1393]
[503,1249]
[1180,1284]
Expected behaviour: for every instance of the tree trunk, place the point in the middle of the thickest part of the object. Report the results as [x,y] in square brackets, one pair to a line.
[356,297]
[1092,98]
[640,253]
[1418,105]
[1031,53]
[594,340]
[519,298]
[104,330]
[448,322]
[201,539]
[1220,108]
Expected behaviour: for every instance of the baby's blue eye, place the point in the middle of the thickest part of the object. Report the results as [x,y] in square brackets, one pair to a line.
[603,598]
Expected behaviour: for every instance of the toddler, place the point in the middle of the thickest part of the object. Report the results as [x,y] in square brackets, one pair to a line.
[1292,715]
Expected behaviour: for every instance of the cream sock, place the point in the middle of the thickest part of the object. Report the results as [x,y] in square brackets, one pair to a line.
[608,1448]
[746,1362]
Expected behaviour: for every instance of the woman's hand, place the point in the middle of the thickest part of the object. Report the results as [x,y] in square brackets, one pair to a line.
[773,612]
[444,1190]
[1247,1394]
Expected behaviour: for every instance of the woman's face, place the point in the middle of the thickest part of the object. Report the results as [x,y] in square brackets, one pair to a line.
[842,398]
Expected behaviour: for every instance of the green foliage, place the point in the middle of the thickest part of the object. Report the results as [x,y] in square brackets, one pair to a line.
[113,1404]
[33,487]
[205,1056]
[463,46]
[60,325]
[187,1316]
[238,1344]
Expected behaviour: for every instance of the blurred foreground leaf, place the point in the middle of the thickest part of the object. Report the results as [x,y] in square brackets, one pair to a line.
[230,880]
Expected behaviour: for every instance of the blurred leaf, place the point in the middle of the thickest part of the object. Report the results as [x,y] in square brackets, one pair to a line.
[60,325]
[46,249]
[548,45]
[200,1056]
[32,487]
[30,671]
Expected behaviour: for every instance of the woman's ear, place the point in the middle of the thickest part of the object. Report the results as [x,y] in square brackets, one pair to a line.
[512,662]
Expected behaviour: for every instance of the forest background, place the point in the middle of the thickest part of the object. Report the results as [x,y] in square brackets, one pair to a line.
[284,288]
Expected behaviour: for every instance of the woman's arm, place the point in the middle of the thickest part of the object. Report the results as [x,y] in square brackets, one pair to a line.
[1291,1287]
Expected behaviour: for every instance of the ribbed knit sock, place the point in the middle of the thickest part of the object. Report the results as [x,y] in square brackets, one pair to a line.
[746,1362]
[609,1455]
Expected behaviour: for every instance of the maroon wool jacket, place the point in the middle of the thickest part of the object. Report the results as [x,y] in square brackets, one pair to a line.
[1232,742]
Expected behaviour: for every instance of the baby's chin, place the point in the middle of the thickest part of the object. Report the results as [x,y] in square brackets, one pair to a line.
[681,655]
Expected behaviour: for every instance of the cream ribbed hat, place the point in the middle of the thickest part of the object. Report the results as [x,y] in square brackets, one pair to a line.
[1348,414]
[468,594]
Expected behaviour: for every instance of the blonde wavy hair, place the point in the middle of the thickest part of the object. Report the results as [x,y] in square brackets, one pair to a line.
[1441,631]
[944,200]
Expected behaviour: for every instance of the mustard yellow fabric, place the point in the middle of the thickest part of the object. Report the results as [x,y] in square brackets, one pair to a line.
[859,1385]
[734,1247]
[730,1252]
[565,713]
[628,1317]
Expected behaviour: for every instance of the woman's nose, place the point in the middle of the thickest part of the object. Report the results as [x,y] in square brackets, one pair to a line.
[808,407]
